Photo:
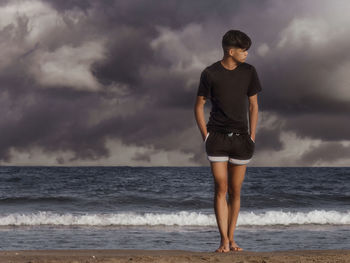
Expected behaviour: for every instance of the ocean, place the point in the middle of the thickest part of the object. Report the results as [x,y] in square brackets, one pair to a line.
[282,208]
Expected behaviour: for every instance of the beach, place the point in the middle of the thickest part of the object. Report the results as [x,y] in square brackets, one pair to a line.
[129,255]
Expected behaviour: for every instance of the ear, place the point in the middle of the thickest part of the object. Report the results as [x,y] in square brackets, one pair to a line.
[233,50]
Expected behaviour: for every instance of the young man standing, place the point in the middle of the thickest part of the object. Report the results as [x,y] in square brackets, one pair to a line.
[230,84]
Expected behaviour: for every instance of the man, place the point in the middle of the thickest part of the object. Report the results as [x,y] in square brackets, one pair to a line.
[229,84]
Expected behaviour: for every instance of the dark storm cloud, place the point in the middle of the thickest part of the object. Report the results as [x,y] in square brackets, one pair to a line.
[268,139]
[326,126]
[146,14]
[326,152]
[70,4]
[300,85]
[155,104]
[56,122]
[142,157]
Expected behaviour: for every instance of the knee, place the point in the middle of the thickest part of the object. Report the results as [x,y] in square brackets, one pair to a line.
[221,190]
[234,194]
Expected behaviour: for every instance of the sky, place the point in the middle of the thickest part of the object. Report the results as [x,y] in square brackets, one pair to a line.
[114,82]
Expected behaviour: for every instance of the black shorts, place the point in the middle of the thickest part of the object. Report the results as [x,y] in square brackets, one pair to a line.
[237,148]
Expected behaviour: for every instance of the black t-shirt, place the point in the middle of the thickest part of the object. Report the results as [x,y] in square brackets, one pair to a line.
[228,91]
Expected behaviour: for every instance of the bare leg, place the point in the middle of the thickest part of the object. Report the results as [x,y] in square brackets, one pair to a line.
[219,170]
[236,175]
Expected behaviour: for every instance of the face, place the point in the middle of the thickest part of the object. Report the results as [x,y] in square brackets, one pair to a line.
[239,54]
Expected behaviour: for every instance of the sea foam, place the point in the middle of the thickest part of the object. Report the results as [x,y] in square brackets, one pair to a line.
[183,218]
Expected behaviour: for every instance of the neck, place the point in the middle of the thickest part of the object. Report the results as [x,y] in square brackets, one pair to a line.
[229,62]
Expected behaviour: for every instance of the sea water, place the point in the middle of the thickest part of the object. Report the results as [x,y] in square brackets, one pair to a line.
[282,208]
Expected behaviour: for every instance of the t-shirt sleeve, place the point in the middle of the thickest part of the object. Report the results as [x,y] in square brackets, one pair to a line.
[204,88]
[255,85]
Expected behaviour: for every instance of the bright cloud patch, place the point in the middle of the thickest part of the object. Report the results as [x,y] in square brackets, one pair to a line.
[68,66]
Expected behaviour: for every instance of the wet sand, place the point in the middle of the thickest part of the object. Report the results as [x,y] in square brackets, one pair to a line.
[129,255]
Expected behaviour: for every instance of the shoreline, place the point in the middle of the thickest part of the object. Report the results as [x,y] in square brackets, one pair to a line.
[137,255]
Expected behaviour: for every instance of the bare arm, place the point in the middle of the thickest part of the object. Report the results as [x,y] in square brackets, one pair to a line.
[253,114]
[199,115]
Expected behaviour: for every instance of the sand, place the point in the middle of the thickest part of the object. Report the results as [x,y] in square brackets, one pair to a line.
[126,255]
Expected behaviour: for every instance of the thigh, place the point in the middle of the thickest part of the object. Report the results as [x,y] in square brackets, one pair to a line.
[219,170]
[236,174]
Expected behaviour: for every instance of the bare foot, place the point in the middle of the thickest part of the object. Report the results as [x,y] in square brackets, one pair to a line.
[224,246]
[234,246]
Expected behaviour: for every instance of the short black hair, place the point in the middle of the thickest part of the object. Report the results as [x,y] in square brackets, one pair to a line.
[235,38]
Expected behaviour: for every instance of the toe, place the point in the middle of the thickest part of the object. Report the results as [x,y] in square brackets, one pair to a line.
[236,248]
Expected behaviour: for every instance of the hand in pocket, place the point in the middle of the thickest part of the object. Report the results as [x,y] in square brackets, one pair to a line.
[206,137]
